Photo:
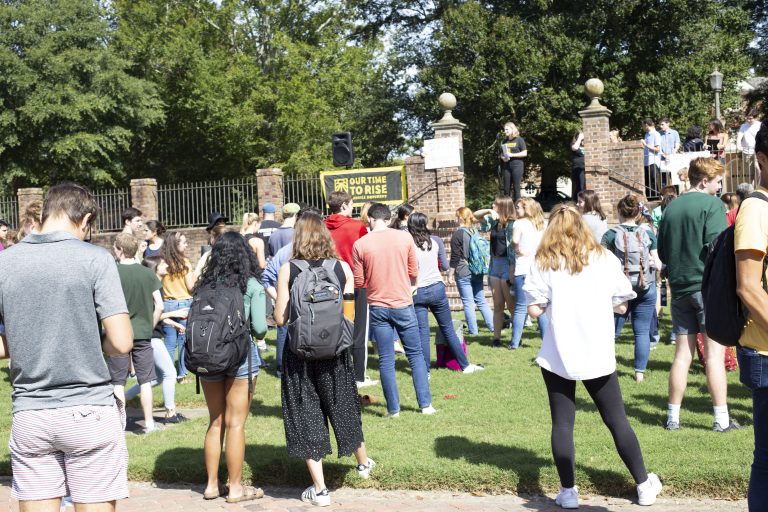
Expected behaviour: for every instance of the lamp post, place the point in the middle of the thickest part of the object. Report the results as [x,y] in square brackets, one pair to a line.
[716,82]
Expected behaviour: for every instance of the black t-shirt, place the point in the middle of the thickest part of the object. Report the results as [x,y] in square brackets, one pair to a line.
[513,145]
[499,241]
[295,271]
[265,231]
[577,158]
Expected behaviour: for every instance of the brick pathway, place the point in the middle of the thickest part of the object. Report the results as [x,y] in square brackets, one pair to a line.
[188,498]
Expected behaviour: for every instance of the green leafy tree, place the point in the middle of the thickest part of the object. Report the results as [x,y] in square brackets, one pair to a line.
[70,109]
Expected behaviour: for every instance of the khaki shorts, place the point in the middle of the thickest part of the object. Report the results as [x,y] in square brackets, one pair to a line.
[77,451]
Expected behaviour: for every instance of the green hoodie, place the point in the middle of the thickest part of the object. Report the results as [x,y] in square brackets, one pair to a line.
[689,223]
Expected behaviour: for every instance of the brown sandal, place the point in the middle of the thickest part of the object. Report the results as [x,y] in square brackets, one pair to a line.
[249,493]
[222,491]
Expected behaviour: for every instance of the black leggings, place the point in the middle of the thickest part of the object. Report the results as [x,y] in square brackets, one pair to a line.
[512,178]
[606,394]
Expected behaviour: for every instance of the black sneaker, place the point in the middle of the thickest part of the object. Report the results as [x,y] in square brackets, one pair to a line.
[733,425]
[496,344]
[175,418]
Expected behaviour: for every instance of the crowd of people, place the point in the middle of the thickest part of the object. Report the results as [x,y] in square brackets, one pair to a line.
[383,274]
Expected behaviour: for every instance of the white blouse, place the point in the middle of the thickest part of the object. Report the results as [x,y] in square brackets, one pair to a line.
[579,344]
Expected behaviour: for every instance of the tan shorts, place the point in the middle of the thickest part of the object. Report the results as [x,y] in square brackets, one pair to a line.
[77,451]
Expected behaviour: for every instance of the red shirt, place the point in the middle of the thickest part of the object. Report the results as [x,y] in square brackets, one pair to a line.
[345,231]
[385,262]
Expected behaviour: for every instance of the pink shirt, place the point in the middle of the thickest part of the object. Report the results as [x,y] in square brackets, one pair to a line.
[385,262]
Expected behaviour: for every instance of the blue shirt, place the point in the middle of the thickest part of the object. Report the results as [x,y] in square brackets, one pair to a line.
[652,139]
[269,276]
[669,139]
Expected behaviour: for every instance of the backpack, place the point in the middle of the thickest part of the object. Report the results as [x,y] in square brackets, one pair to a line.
[724,313]
[317,327]
[218,337]
[479,253]
[633,250]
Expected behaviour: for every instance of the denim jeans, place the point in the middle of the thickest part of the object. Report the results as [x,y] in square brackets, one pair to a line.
[166,374]
[433,298]
[282,334]
[174,338]
[753,372]
[521,310]
[404,321]
[472,292]
[642,309]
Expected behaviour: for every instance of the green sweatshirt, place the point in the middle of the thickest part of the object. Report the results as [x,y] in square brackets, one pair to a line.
[689,223]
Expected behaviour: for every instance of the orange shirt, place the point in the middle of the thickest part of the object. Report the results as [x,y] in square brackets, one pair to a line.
[385,262]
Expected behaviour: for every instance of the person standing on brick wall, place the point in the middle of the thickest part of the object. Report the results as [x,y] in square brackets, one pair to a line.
[513,154]
[651,158]
[670,144]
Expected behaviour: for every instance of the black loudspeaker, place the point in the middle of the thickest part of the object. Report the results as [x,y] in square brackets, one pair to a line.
[343,152]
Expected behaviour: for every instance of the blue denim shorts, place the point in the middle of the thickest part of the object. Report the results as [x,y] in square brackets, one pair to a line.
[499,268]
[753,368]
[241,372]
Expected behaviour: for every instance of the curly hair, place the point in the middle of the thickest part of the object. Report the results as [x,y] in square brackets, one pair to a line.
[417,227]
[232,263]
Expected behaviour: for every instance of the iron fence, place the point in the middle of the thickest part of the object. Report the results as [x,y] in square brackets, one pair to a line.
[304,190]
[9,210]
[739,168]
[189,204]
[112,203]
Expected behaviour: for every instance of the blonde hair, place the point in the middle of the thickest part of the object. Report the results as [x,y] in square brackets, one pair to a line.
[312,240]
[248,219]
[465,216]
[532,210]
[364,212]
[515,131]
[568,243]
[704,167]
[505,207]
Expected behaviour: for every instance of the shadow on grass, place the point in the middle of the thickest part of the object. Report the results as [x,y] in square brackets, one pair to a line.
[524,463]
[269,465]
[6,374]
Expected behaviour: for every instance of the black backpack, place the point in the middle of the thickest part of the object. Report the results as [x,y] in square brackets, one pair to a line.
[317,327]
[724,313]
[218,337]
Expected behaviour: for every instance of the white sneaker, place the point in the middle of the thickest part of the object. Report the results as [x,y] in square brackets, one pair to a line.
[367,382]
[472,368]
[648,490]
[568,498]
[428,410]
[393,414]
[364,470]
[320,499]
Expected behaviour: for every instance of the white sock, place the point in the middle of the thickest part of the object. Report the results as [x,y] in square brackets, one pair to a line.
[673,413]
[149,424]
[721,415]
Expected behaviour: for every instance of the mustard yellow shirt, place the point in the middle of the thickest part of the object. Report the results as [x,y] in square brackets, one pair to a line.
[174,287]
[751,233]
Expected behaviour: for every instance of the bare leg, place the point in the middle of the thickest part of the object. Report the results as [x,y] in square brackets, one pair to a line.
[235,414]
[145,395]
[216,402]
[361,455]
[108,506]
[51,505]
[316,472]
[678,373]
[717,382]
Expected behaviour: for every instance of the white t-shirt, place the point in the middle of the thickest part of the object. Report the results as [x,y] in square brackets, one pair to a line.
[579,344]
[429,272]
[529,242]
[748,133]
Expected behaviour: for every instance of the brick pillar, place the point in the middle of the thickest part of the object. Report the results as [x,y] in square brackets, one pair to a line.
[144,197]
[269,185]
[25,196]
[597,143]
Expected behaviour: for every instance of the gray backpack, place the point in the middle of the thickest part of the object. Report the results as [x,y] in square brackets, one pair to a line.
[633,250]
[317,328]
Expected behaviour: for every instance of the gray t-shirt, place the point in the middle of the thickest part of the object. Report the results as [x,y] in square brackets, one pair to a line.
[54,289]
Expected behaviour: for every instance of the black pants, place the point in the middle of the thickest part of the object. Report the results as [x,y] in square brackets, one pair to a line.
[652,181]
[577,181]
[606,394]
[512,177]
[359,335]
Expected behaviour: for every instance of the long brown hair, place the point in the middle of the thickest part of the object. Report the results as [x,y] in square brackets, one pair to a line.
[172,255]
[505,207]
[591,203]
[312,240]
[567,243]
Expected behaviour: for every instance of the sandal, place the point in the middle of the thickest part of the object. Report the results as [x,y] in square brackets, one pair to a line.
[249,493]
[223,491]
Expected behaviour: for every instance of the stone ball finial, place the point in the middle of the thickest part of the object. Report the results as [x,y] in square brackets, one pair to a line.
[447,101]
[594,89]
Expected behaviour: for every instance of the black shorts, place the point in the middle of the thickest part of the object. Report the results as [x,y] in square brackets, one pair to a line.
[143,364]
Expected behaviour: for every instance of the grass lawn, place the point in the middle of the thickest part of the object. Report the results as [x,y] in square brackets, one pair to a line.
[493,436]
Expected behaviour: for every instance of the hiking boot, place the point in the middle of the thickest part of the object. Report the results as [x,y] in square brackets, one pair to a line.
[320,499]
[472,368]
[648,490]
[364,470]
[568,498]
[672,425]
[733,425]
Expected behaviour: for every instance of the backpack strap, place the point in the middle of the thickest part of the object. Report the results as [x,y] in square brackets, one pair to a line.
[330,266]
[626,253]
[641,280]
[301,264]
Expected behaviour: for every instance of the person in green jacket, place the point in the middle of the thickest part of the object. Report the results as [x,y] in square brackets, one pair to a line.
[689,223]
[233,263]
